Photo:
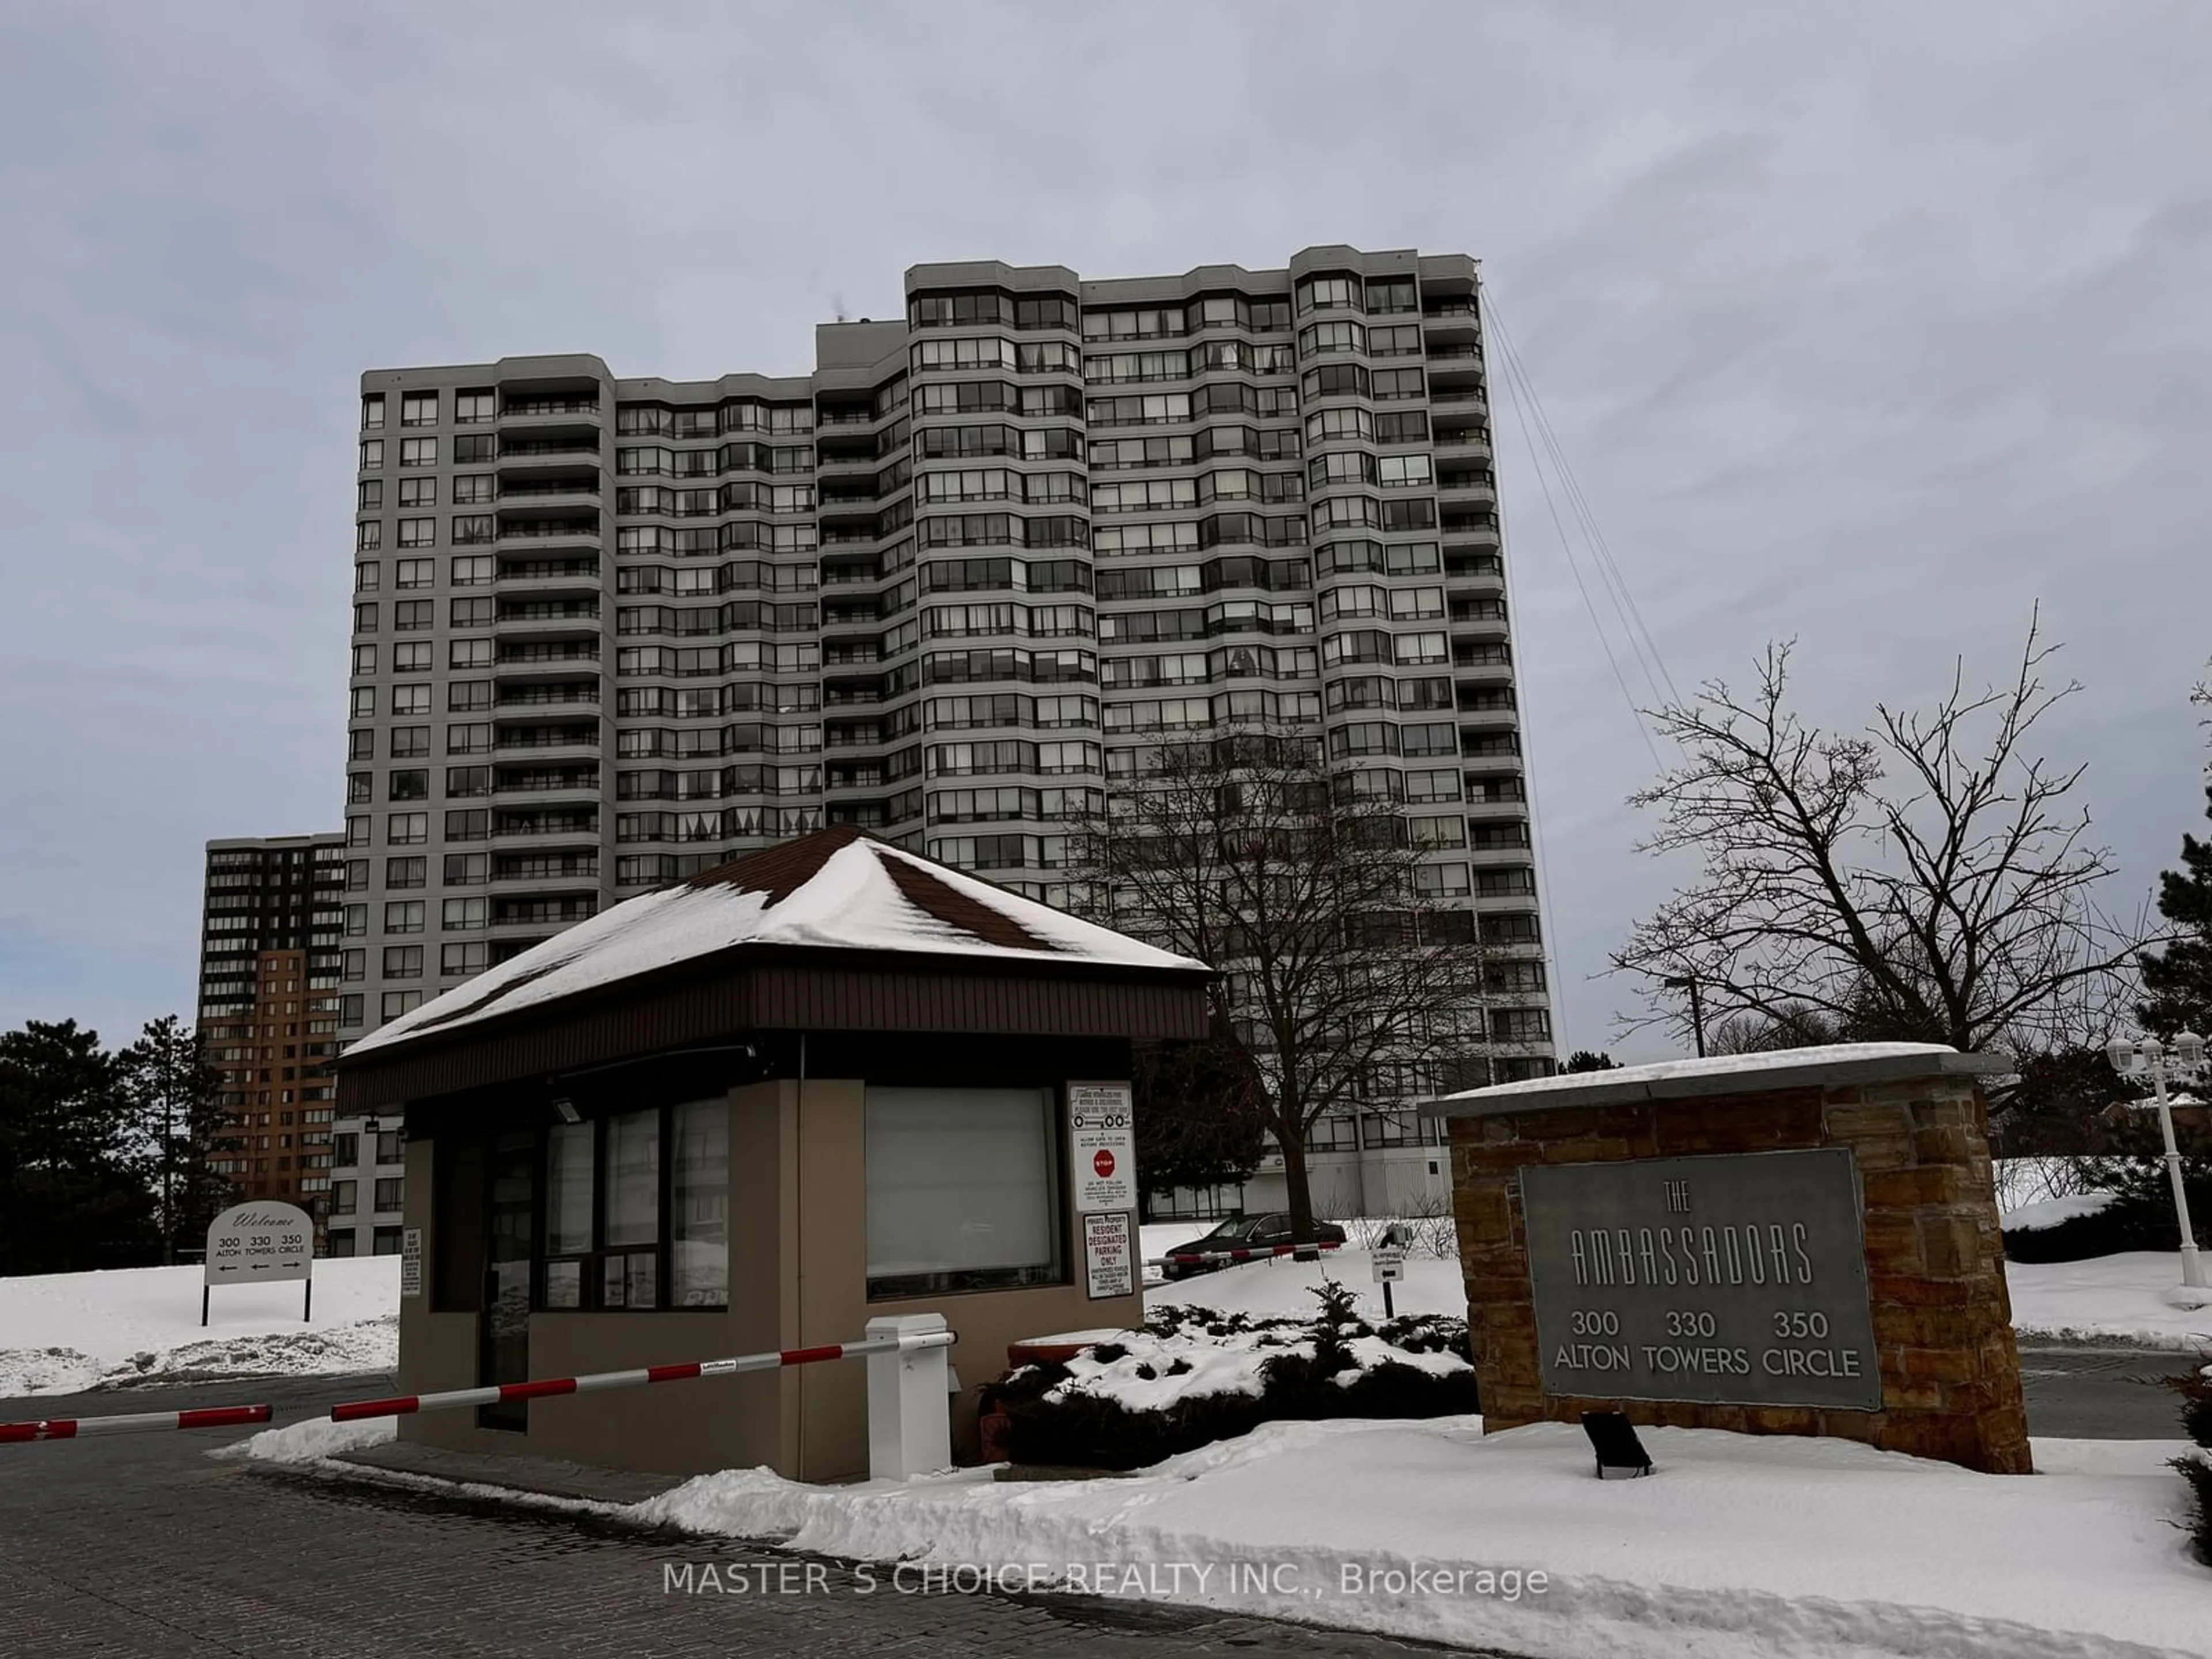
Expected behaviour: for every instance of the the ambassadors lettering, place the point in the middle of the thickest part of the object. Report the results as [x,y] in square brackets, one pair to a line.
[1745,1253]
[1733,1279]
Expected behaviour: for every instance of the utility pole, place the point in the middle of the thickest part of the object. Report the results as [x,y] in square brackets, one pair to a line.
[1689,983]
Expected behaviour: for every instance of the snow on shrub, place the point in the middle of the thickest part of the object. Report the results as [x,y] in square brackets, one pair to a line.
[2195,1389]
[1194,1375]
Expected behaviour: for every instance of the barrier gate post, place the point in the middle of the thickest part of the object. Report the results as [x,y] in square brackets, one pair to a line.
[909,1404]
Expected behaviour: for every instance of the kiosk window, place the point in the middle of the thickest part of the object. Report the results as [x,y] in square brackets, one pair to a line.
[963,1190]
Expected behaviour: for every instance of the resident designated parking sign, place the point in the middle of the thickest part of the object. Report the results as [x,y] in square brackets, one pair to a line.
[1109,1264]
[1102,1146]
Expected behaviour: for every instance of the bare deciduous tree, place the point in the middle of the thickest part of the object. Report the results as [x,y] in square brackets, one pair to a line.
[1251,853]
[1931,880]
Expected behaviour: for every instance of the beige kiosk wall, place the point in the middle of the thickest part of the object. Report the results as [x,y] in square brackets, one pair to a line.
[798,1279]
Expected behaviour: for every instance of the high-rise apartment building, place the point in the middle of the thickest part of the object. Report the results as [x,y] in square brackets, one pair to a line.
[949,586]
[269,1008]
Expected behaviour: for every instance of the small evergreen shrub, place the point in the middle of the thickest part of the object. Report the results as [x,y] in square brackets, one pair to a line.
[2195,1389]
[1083,1430]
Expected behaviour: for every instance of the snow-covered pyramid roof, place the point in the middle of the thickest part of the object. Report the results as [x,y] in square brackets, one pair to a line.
[840,890]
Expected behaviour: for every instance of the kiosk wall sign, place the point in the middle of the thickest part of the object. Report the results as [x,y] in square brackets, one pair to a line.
[1102,1146]
[1737,1279]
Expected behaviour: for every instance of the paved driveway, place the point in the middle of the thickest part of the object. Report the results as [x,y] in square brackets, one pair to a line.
[142,1544]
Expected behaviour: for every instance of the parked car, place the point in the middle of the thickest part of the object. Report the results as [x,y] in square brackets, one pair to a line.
[1243,1232]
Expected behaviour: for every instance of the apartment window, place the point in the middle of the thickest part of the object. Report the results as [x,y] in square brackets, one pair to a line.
[393,1004]
[1439,881]
[417,492]
[364,619]
[477,570]
[473,738]
[411,615]
[469,653]
[416,573]
[371,412]
[402,962]
[1392,383]
[404,873]
[466,696]
[418,452]
[368,537]
[1438,832]
[472,449]
[389,1190]
[962,1190]
[467,869]
[364,660]
[410,659]
[471,613]
[388,1149]
[365,577]
[410,742]
[368,495]
[462,781]
[1403,472]
[404,916]
[345,1195]
[371,454]
[357,829]
[462,961]
[471,488]
[1329,293]
[352,1010]
[418,409]
[474,529]
[406,828]
[470,823]
[360,745]
[418,532]
[473,408]
[360,788]
[462,915]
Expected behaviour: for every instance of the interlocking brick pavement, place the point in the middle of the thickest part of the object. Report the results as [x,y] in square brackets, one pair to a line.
[143,1546]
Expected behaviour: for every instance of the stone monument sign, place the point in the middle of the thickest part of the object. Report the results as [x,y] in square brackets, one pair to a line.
[1803,1242]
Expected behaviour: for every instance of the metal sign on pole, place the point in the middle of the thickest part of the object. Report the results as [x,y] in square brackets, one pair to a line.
[262,1241]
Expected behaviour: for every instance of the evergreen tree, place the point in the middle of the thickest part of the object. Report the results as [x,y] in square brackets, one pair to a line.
[177,1126]
[1585,1060]
[72,1190]
[2178,981]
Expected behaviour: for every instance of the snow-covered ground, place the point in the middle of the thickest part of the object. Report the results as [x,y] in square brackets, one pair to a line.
[2119,1298]
[62,1333]
[1736,1548]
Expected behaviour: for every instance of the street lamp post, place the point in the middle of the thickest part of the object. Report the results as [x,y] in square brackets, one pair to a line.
[2137,1057]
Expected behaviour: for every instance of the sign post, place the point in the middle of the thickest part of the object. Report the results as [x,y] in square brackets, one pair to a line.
[1390,1268]
[260,1242]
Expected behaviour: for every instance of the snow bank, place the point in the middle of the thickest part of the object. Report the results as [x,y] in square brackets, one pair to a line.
[2121,1298]
[306,1442]
[1739,1547]
[2050,1212]
[64,1332]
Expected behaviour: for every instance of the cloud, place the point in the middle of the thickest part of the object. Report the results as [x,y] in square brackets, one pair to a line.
[1867,323]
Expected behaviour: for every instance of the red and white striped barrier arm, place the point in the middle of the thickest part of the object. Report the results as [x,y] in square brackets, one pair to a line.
[1181,1257]
[77,1428]
[539,1388]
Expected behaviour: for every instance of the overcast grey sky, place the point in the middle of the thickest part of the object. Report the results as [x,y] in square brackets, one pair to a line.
[1867,323]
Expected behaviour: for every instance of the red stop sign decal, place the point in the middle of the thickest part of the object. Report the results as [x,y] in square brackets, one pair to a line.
[1102,1162]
